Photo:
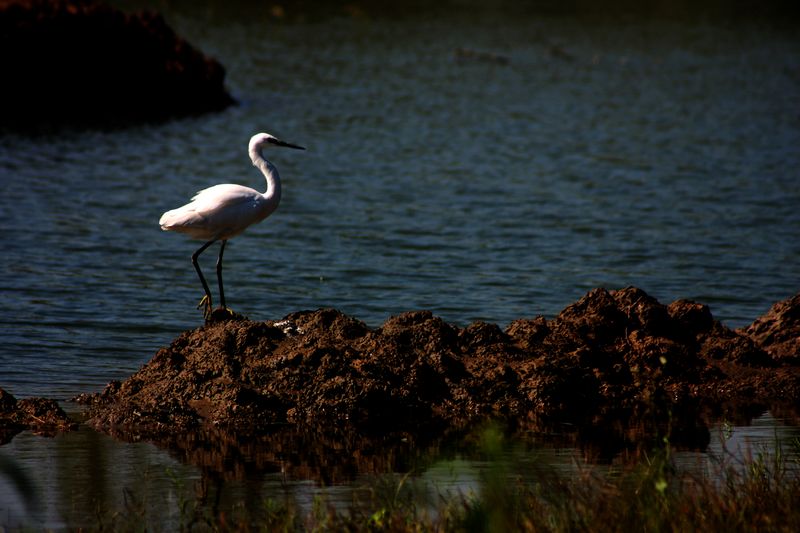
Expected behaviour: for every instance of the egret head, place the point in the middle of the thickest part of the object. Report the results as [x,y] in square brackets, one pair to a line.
[261,140]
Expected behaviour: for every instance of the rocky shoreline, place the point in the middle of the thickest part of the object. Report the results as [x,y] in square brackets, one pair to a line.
[617,354]
[41,415]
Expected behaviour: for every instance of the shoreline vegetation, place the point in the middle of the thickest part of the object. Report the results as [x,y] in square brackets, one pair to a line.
[649,491]
[649,494]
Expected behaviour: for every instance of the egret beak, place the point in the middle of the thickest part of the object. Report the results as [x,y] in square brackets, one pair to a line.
[278,142]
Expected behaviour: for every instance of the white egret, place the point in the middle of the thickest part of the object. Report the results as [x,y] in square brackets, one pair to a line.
[224,211]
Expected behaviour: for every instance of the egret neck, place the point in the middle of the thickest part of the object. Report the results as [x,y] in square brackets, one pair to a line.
[273,193]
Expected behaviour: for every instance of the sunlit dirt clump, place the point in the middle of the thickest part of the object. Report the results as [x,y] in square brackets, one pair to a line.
[40,415]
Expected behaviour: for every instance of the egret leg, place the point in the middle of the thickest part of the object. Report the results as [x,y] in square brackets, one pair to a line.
[206,301]
[219,274]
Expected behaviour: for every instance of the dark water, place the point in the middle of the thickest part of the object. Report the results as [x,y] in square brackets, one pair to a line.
[656,153]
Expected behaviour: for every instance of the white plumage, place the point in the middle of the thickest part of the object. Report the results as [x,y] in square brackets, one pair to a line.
[224,211]
[220,212]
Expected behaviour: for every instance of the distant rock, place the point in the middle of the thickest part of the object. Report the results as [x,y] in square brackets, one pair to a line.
[84,63]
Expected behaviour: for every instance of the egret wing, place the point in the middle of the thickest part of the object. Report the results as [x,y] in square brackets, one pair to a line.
[218,212]
[221,197]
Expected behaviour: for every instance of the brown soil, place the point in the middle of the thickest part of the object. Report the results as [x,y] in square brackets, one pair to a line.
[611,354]
[40,415]
[778,332]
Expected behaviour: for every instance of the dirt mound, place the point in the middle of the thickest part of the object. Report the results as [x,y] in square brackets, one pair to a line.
[37,414]
[612,351]
[778,332]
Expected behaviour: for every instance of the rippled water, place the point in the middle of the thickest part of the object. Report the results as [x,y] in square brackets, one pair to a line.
[657,154]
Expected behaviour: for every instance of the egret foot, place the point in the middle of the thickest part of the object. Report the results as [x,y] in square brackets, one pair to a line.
[223,314]
[205,303]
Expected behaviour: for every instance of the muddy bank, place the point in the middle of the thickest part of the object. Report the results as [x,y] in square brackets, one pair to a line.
[778,331]
[39,415]
[613,354]
[85,63]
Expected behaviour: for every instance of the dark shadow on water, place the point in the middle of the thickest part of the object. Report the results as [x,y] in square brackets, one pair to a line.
[331,456]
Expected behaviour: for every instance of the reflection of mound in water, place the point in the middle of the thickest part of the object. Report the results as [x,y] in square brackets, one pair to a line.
[329,455]
[610,354]
[335,455]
